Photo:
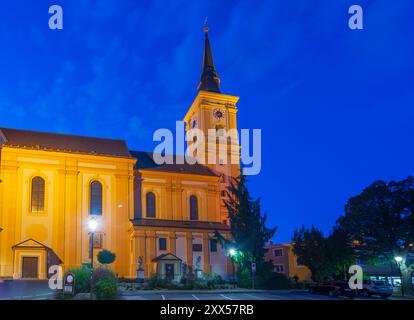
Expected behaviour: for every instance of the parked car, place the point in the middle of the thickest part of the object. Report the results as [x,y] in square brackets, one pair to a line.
[333,289]
[376,287]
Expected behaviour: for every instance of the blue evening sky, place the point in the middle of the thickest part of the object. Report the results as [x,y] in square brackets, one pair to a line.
[335,106]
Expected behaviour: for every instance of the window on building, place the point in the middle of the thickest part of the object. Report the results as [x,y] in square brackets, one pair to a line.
[279,268]
[278,252]
[95,198]
[162,244]
[197,247]
[38,195]
[150,205]
[213,245]
[193,208]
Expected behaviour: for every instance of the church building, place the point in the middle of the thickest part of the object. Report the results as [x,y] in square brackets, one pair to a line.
[160,218]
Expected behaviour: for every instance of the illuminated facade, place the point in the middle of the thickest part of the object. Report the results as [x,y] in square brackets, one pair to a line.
[159,217]
[285,262]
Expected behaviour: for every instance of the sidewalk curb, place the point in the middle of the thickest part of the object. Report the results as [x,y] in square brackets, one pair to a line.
[145,292]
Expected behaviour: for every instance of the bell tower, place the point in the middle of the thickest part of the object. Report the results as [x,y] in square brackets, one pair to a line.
[215,114]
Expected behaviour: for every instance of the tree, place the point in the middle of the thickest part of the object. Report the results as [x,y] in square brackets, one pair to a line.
[308,246]
[340,253]
[248,227]
[381,221]
[106,257]
[325,257]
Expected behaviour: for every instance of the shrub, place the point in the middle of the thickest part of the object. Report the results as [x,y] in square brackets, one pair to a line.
[200,285]
[106,257]
[187,284]
[213,281]
[244,278]
[155,282]
[102,273]
[82,279]
[275,281]
[106,289]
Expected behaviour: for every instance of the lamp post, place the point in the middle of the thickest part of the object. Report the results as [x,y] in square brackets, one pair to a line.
[232,253]
[92,225]
[399,260]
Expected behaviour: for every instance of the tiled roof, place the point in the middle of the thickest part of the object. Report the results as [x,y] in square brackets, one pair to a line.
[180,224]
[64,143]
[146,161]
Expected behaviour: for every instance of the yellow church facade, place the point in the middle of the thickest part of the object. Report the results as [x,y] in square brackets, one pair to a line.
[156,218]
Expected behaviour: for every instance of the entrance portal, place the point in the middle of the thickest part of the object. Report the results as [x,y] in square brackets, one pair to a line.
[30,268]
[169,271]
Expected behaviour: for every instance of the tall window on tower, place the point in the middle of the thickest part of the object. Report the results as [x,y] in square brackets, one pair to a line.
[38,195]
[150,205]
[193,208]
[95,198]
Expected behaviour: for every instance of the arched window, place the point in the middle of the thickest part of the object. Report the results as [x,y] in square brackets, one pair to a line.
[95,198]
[193,208]
[150,205]
[38,195]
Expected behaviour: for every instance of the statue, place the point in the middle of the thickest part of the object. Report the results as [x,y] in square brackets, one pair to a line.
[198,267]
[198,263]
[140,271]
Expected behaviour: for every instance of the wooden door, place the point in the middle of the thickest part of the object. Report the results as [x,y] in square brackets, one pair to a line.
[30,267]
[169,271]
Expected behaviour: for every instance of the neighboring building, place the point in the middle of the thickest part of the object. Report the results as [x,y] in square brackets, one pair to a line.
[285,262]
[388,272]
[163,215]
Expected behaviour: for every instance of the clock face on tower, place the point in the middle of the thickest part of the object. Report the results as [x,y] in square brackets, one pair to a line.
[218,114]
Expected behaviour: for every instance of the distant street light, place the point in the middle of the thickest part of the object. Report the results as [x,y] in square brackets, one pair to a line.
[232,253]
[399,260]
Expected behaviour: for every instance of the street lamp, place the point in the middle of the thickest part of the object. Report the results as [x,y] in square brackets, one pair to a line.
[399,260]
[92,225]
[232,253]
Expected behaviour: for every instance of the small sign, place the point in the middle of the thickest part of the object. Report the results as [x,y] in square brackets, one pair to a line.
[253,266]
[68,289]
[69,283]
[69,278]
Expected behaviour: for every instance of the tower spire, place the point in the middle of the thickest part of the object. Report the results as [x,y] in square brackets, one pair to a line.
[209,80]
